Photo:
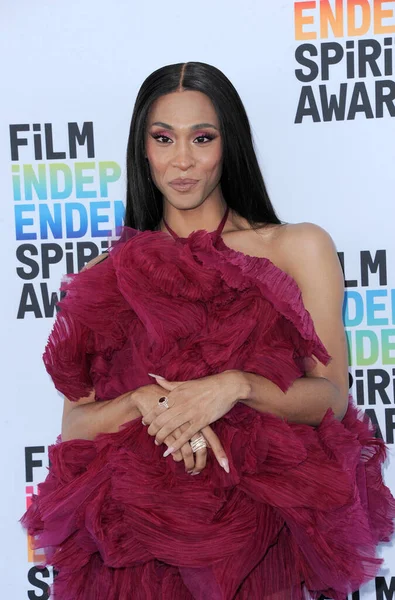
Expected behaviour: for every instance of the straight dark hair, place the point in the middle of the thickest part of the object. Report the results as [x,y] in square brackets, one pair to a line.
[241,182]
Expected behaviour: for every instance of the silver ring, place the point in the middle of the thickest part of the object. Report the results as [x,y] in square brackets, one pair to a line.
[198,443]
[163,401]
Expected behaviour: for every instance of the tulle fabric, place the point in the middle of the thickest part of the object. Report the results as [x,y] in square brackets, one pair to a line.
[303,508]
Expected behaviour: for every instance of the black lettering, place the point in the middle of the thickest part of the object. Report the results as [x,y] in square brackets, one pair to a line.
[48,304]
[333,106]
[331,54]
[385,98]
[370,59]
[360,92]
[378,387]
[347,282]
[306,62]
[30,463]
[368,264]
[15,141]
[33,265]
[51,254]
[29,302]
[82,257]
[49,144]
[382,591]
[86,135]
[38,583]
[390,424]
[307,106]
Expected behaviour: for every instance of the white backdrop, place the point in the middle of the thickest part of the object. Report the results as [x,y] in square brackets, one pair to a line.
[72,63]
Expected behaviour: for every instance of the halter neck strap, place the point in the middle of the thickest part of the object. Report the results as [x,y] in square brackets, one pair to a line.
[217,232]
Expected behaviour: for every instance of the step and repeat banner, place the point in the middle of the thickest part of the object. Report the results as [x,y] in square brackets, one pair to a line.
[317,81]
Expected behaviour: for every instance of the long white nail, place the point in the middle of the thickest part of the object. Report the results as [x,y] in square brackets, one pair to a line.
[168,451]
[224,464]
[157,376]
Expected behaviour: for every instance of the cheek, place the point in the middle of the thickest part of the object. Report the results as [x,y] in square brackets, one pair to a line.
[156,159]
[212,163]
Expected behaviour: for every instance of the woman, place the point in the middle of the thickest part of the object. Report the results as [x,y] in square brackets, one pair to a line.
[205,454]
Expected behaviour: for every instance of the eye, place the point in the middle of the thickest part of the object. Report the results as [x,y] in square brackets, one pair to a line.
[160,135]
[207,136]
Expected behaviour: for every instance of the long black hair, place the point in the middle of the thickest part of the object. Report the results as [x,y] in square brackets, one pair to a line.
[242,184]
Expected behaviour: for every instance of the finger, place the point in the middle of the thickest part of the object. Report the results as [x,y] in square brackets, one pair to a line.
[162,417]
[170,425]
[184,454]
[183,439]
[154,413]
[189,458]
[177,456]
[216,447]
[186,450]
[200,459]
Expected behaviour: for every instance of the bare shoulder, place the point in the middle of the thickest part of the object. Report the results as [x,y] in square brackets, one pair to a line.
[309,255]
[95,261]
[301,240]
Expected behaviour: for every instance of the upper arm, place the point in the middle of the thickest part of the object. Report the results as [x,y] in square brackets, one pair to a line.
[68,405]
[313,262]
[95,260]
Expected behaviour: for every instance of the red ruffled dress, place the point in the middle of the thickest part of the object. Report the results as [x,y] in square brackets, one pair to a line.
[303,508]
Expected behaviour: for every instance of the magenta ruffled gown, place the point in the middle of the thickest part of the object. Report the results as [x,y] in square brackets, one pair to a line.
[303,508]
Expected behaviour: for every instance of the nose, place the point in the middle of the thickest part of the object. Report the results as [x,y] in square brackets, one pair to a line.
[183,156]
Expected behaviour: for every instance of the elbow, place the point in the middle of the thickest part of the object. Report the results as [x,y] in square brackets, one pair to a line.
[341,406]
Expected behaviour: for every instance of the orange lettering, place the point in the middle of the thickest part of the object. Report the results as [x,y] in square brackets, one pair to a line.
[379,14]
[301,20]
[328,18]
[364,27]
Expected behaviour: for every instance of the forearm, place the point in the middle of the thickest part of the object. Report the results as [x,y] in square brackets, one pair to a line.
[86,421]
[306,400]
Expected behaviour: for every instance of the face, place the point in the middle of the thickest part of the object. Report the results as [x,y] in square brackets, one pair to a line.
[183,141]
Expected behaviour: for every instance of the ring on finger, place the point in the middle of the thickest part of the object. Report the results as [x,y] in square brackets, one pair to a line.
[163,401]
[198,443]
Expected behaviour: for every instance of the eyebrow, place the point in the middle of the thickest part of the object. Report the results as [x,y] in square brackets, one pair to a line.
[193,127]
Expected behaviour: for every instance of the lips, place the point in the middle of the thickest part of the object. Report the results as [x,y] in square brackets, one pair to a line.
[182,181]
[183,185]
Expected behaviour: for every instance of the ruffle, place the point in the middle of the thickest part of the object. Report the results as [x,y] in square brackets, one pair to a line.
[303,507]
[115,503]
[191,302]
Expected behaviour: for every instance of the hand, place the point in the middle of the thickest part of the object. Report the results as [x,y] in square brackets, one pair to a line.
[198,402]
[145,399]
[196,462]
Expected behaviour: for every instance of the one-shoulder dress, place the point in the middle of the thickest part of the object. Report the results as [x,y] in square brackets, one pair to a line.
[303,508]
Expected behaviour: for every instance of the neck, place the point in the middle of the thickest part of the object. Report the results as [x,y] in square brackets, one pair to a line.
[184,222]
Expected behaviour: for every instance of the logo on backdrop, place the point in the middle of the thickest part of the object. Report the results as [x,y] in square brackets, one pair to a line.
[39,578]
[369,318]
[63,205]
[345,61]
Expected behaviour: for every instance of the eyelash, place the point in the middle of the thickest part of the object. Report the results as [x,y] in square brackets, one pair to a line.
[156,136]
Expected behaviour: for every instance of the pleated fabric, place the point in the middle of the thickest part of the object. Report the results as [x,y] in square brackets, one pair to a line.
[303,509]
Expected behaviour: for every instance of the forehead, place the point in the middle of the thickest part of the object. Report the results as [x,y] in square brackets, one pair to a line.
[183,109]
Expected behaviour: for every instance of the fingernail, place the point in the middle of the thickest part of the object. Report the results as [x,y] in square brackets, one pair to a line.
[197,473]
[143,423]
[189,472]
[157,443]
[158,376]
[168,451]
[224,464]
